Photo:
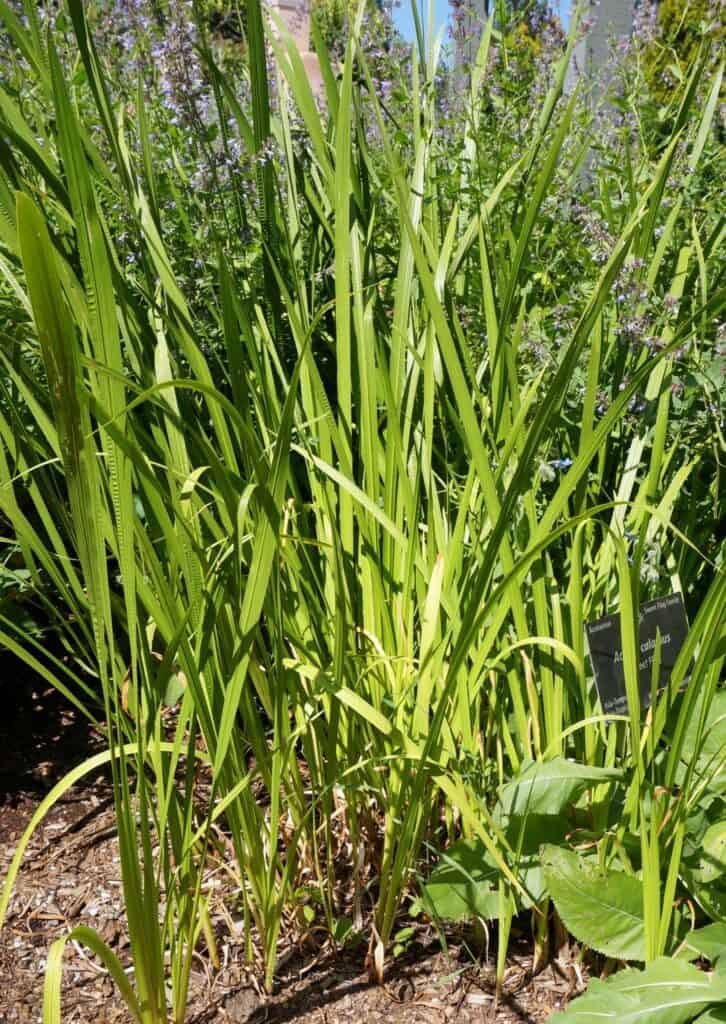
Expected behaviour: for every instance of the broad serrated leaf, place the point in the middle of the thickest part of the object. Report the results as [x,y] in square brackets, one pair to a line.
[711,761]
[550,787]
[603,910]
[708,942]
[713,853]
[464,885]
[667,991]
[703,868]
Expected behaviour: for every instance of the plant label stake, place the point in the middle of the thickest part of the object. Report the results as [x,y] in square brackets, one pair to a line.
[665,615]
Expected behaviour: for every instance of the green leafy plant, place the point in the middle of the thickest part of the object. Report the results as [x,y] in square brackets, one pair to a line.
[667,990]
[314,518]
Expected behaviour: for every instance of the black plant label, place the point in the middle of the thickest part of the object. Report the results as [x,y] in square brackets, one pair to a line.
[665,618]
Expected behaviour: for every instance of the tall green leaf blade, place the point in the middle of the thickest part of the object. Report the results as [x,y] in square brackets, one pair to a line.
[59,346]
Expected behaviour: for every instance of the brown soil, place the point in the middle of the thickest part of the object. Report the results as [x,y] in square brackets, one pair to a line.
[70,875]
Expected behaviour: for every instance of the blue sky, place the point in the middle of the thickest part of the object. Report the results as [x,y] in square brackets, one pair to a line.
[404,19]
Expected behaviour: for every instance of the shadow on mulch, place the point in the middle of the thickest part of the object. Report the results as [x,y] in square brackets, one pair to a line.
[424,985]
[42,736]
[70,875]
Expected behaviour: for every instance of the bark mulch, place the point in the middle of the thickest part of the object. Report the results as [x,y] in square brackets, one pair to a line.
[70,876]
